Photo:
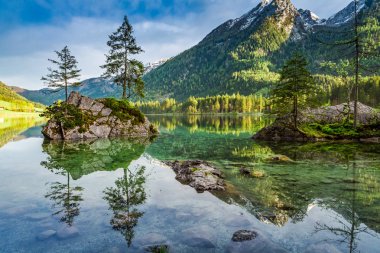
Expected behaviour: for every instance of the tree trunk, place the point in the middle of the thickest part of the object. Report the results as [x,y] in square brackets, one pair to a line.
[295,111]
[125,89]
[356,95]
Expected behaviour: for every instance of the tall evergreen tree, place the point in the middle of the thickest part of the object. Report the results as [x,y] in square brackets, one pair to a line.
[67,71]
[123,70]
[359,42]
[296,83]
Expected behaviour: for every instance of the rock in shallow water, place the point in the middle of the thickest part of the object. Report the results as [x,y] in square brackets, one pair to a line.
[260,243]
[198,174]
[46,234]
[243,235]
[199,237]
[151,240]
[67,232]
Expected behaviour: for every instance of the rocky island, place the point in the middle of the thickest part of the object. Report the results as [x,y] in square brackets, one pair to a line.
[325,123]
[85,118]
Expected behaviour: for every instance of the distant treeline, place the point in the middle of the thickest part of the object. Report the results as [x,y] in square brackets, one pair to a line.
[234,103]
[334,90]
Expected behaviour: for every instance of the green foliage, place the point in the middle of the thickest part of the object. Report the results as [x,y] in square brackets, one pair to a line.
[10,100]
[122,70]
[235,103]
[69,116]
[340,130]
[124,200]
[66,71]
[295,86]
[124,110]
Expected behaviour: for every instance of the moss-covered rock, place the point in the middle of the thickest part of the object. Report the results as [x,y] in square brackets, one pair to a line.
[325,123]
[85,118]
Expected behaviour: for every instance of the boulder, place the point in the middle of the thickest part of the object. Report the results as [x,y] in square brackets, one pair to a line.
[247,241]
[101,122]
[198,174]
[243,235]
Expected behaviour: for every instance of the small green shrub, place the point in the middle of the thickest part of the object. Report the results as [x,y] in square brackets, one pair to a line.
[123,110]
[69,116]
[332,130]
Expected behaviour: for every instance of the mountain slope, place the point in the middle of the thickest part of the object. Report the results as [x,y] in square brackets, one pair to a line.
[94,88]
[10,100]
[245,54]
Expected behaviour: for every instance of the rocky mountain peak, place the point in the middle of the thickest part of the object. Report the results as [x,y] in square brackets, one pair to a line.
[346,14]
[278,8]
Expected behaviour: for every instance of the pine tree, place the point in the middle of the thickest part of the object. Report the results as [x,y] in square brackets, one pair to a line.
[123,70]
[66,71]
[360,44]
[296,82]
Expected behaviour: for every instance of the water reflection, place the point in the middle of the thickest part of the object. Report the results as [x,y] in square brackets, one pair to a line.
[72,160]
[66,199]
[294,178]
[348,225]
[124,199]
[296,194]
[226,124]
[12,125]
[85,157]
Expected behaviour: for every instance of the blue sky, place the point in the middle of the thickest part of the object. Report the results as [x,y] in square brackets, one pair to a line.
[30,30]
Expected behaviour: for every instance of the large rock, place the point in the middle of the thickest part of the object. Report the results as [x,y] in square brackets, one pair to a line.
[247,241]
[198,174]
[103,123]
[283,128]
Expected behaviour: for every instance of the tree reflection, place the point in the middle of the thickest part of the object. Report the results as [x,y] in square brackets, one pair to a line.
[224,125]
[124,200]
[66,199]
[349,225]
[76,159]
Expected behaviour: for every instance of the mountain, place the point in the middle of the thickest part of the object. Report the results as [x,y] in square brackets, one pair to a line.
[11,101]
[94,88]
[244,54]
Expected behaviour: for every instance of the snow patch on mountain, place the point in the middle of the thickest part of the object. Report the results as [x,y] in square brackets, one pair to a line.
[252,16]
[345,15]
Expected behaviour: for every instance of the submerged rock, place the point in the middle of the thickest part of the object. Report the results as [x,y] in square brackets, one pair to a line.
[158,249]
[279,158]
[198,174]
[259,243]
[46,234]
[151,240]
[245,171]
[243,235]
[67,232]
[199,237]
[100,121]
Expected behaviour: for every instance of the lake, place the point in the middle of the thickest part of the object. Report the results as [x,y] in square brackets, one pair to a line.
[74,196]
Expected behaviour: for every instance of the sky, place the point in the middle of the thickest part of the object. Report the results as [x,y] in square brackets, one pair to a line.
[31,30]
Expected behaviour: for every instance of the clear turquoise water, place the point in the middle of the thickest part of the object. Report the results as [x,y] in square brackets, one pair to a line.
[71,197]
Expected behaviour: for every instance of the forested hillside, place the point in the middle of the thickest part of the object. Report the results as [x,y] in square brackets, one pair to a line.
[244,55]
[10,100]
